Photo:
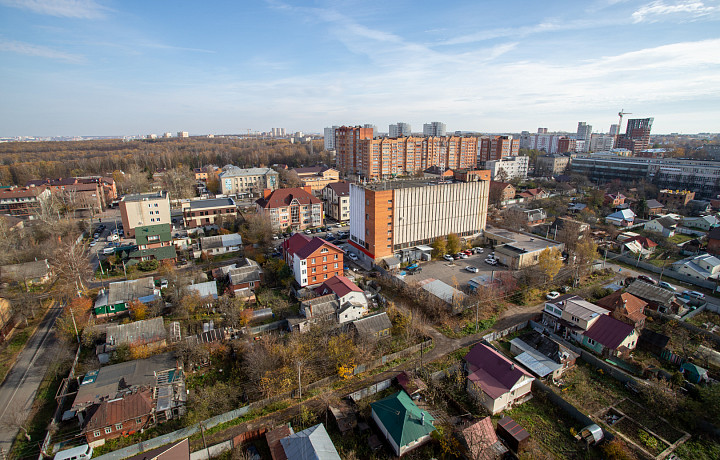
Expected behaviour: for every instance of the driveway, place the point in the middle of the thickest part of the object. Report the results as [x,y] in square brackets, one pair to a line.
[452,272]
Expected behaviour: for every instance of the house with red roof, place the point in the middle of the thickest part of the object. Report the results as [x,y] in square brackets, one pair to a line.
[610,337]
[352,300]
[295,208]
[312,260]
[494,381]
[625,307]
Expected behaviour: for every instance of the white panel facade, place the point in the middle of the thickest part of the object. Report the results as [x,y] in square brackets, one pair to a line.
[357,214]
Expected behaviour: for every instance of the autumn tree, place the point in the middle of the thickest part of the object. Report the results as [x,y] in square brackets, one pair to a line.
[74,318]
[585,253]
[138,310]
[179,182]
[549,263]
[439,248]
[453,243]
[257,230]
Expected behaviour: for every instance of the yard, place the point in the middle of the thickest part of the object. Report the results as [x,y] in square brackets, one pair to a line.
[589,390]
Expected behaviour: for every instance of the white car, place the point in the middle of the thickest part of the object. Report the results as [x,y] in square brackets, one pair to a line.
[491,261]
[552,295]
[462,255]
[93,243]
[471,269]
[352,256]
[113,237]
[448,257]
[108,251]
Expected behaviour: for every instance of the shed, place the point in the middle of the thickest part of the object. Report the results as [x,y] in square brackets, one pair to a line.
[693,373]
[652,341]
[513,434]
[410,385]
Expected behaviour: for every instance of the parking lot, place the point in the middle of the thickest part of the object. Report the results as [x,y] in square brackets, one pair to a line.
[445,271]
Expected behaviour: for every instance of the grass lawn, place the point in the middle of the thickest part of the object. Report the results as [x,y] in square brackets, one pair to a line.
[589,390]
[680,238]
[698,449]
[15,345]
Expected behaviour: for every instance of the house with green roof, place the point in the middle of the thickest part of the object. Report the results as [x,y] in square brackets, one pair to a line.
[403,424]
[153,242]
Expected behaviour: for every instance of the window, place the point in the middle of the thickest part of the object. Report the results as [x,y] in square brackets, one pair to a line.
[312,261]
[96,433]
[325,275]
[367,216]
[324,258]
[336,265]
[323,250]
[313,269]
[336,257]
[118,426]
[108,430]
[304,271]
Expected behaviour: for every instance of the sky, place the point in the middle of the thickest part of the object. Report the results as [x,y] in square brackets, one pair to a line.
[112,67]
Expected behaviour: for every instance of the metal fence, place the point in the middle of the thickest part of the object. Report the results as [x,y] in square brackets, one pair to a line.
[370,390]
[667,272]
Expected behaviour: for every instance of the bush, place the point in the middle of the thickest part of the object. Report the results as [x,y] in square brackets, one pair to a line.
[148,265]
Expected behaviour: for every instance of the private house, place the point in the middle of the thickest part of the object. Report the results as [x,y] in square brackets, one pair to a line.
[295,208]
[404,425]
[313,311]
[702,223]
[576,207]
[25,274]
[542,355]
[569,316]
[221,244]
[206,291]
[665,226]
[482,442]
[658,299]
[313,260]
[373,326]
[713,245]
[337,200]
[153,242]
[206,172]
[352,300]
[613,200]
[565,226]
[244,277]
[501,191]
[638,245]
[317,177]
[703,267]
[529,216]
[622,218]
[654,207]
[201,213]
[310,444]
[116,298]
[120,399]
[495,381]
[626,308]
[533,194]
[698,207]
[137,333]
[610,337]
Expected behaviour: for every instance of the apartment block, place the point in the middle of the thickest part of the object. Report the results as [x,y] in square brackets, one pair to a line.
[637,135]
[567,145]
[199,213]
[510,167]
[22,202]
[336,197]
[400,129]
[295,208]
[313,260]
[144,209]
[675,199]
[247,182]
[435,128]
[389,216]
[183,134]
[496,148]
[540,141]
[317,177]
[347,146]
[329,137]
[551,165]
[602,143]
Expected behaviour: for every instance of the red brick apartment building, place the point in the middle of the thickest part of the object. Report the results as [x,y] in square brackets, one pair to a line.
[313,260]
[296,208]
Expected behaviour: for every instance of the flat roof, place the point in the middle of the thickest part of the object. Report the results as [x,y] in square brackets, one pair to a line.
[407,183]
[145,196]
[213,203]
[522,242]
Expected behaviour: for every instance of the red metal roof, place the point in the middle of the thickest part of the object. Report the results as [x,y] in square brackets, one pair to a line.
[493,372]
[313,245]
[339,285]
[608,331]
[294,243]
[284,196]
[130,407]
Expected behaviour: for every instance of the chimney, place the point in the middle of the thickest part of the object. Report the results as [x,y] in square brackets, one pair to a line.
[308,189]
[512,366]
[266,193]
[422,419]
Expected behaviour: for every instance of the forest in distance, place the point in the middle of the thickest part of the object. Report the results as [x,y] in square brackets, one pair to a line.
[24,161]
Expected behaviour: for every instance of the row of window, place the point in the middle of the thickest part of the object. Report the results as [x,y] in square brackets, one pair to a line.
[118,427]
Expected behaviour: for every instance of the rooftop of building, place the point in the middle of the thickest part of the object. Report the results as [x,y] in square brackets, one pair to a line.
[213,203]
[521,242]
[407,183]
[161,195]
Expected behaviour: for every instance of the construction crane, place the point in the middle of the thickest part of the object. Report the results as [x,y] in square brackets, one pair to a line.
[617,133]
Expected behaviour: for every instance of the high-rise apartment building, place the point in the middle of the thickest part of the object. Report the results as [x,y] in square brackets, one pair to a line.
[347,146]
[602,143]
[584,132]
[614,130]
[637,135]
[400,129]
[540,141]
[330,138]
[183,134]
[393,215]
[435,128]
[566,145]
[497,147]
[371,126]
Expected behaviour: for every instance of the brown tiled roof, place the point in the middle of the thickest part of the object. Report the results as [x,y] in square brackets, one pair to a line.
[21,192]
[284,196]
[625,305]
[312,246]
[341,188]
[114,411]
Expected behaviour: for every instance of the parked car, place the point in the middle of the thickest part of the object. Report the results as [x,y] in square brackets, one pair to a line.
[352,256]
[647,279]
[462,255]
[468,252]
[471,269]
[411,266]
[108,251]
[667,286]
[552,295]
[491,261]
[93,243]
[412,271]
[113,237]
[477,250]
[448,257]
[308,232]
[694,294]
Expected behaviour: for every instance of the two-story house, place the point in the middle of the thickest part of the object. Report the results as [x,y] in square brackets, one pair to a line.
[570,316]
[313,260]
[199,213]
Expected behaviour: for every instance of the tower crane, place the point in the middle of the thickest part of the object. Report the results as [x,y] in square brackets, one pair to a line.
[617,133]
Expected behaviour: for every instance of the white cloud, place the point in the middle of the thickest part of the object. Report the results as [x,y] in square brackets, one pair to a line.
[657,10]
[29,49]
[80,9]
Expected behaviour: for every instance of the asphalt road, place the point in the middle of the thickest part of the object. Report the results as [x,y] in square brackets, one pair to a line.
[18,390]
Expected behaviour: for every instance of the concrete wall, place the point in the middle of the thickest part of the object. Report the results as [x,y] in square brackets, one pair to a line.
[668,272]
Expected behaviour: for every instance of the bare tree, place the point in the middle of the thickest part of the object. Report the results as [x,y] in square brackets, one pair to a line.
[179,182]
[71,266]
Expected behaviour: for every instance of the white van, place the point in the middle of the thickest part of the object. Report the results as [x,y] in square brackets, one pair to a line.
[83,452]
[113,237]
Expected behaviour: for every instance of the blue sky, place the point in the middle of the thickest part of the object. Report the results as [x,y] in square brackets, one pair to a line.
[105,67]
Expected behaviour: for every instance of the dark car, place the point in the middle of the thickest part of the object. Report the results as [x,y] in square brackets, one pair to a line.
[647,279]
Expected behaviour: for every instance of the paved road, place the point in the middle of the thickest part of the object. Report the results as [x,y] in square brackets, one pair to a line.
[18,390]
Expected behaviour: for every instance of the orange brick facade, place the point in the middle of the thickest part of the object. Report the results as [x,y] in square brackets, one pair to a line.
[323,264]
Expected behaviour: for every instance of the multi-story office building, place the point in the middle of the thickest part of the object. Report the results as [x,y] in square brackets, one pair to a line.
[198,213]
[497,147]
[637,135]
[701,177]
[567,145]
[330,138]
[144,209]
[294,208]
[389,216]
[509,167]
[540,141]
[435,128]
[247,182]
[336,197]
[551,165]
[384,158]
[602,143]
[400,129]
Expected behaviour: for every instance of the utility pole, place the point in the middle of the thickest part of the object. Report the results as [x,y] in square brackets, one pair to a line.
[202,433]
[299,363]
[72,315]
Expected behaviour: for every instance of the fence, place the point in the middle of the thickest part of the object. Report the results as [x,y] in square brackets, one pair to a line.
[692,313]
[500,334]
[690,327]
[371,390]
[667,272]
[268,327]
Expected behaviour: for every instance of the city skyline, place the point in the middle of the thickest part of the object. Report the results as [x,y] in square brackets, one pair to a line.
[93,68]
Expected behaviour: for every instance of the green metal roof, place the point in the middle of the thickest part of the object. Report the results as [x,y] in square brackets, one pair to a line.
[165,252]
[402,418]
[161,230]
